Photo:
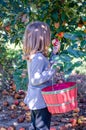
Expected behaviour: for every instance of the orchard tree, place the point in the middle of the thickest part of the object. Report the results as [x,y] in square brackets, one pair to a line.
[67,21]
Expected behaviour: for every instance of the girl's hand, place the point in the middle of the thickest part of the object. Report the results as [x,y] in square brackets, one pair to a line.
[56,46]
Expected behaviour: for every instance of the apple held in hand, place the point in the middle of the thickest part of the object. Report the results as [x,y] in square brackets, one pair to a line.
[56,45]
[55,42]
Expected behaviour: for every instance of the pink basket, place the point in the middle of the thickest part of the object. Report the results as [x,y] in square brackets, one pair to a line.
[61,98]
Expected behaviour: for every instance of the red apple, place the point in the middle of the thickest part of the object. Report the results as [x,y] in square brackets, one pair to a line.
[5,103]
[22,104]
[4,92]
[21,119]
[13,107]
[77,110]
[28,113]
[13,87]
[7,28]
[16,102]
[60,34]
[80,25]
[28,119]
[74,122]
[56,25]
[13,115]
[17,96]
[21,92]
[26,108]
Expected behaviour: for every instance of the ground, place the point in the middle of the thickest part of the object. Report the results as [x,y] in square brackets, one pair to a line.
[14,113]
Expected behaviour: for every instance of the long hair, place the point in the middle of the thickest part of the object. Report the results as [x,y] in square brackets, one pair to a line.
[36,38]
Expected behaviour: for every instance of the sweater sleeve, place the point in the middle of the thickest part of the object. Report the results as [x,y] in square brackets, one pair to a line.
[52,59]
[38,72]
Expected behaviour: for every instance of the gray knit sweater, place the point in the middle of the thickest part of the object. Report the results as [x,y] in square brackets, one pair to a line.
[40,74]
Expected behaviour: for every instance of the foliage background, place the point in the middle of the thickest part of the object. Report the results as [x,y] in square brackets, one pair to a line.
[67,21]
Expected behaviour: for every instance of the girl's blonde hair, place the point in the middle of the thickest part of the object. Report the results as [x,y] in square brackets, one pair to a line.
[36,38]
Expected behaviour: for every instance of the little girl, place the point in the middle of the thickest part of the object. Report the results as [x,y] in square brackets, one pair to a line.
[40,72]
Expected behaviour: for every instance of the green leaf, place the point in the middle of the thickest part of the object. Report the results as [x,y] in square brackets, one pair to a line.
[64,16]
[83,43]
[54,15]
[74,45]
[77,64]
[65,57]
[84,17]
[67,66]
[70,36]
[73,52]
[82,54]
[48,21]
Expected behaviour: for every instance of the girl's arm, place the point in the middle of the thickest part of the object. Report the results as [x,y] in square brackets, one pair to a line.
[38,73]
[55,51]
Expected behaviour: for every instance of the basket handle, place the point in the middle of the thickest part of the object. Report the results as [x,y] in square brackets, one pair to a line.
[52,83]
